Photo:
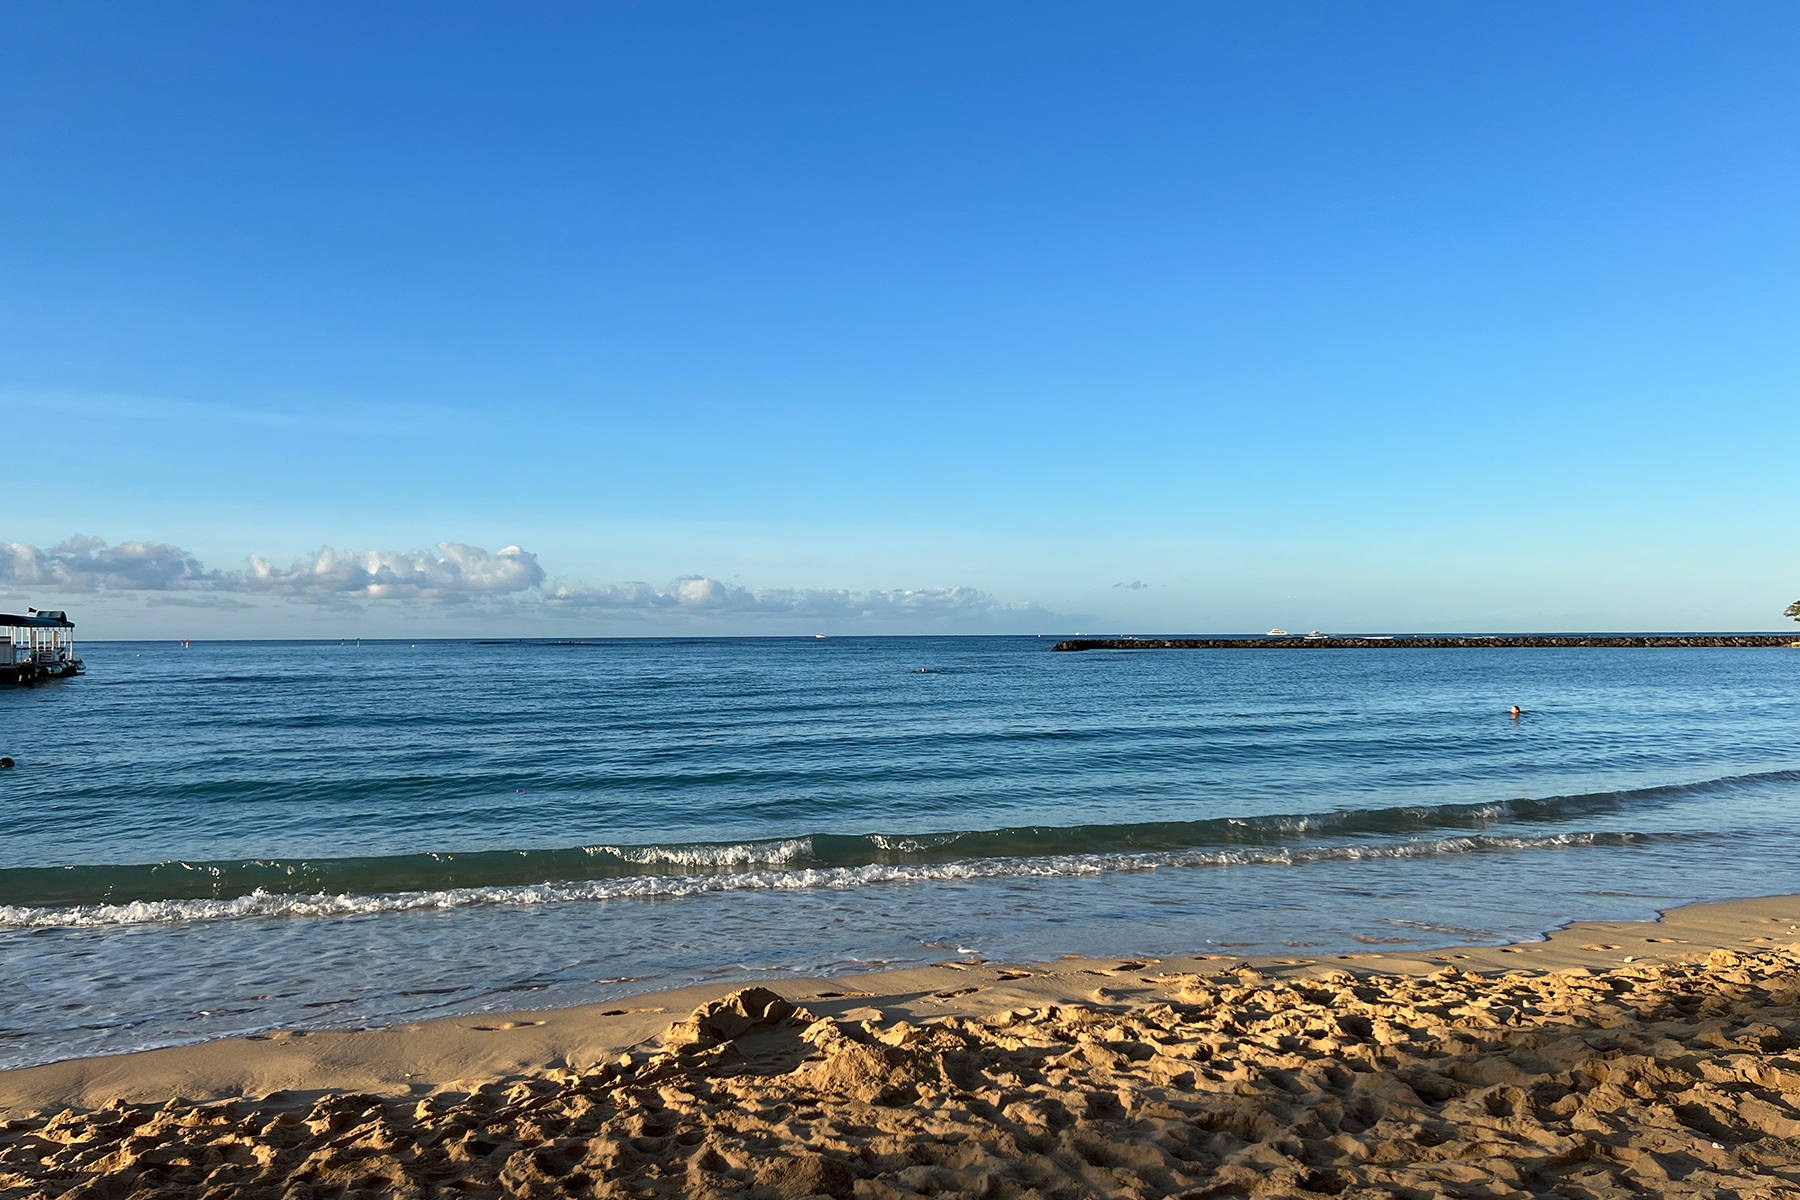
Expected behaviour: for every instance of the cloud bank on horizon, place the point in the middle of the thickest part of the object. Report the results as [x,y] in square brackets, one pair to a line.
[505,580]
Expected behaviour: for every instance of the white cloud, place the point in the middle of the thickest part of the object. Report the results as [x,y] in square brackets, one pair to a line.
[698,595]
[509,579]
[88,564]
[455,573]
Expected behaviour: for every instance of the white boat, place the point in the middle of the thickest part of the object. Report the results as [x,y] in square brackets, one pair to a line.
[1318,634]
[820,636]
[1278,633]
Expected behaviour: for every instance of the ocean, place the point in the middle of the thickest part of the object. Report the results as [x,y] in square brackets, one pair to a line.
[241,836]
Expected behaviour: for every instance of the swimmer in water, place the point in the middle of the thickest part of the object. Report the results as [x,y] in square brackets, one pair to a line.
[6,764]
[1517,712]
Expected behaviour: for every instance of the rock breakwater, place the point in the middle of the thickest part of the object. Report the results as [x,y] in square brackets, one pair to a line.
[1546,641]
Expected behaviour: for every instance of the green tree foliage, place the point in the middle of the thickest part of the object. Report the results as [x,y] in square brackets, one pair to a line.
[1793,610]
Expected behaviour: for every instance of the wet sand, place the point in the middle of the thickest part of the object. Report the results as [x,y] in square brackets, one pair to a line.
[1613,1058]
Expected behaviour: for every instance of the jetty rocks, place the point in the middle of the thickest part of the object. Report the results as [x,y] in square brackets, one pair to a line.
[1544,641]
[1650,1080]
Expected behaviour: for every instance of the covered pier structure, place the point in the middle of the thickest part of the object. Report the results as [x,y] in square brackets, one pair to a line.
[38,645]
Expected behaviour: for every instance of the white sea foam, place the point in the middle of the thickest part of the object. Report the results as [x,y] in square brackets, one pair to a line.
[655,887]
[772,854]
[924,843]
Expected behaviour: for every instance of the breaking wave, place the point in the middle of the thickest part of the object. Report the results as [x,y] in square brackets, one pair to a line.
[808,857]
[260,903]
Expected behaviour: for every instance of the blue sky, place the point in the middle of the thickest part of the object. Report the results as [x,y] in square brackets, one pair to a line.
[906,318]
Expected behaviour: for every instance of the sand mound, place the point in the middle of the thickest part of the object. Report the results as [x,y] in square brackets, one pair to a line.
[1658,1080]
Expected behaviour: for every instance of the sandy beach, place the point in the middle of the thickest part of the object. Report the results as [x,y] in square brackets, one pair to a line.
[1612,1058]
[871,601]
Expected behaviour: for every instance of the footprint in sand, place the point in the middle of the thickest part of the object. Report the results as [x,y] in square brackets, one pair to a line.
[1097,1073]
[954,994]
[1598,946]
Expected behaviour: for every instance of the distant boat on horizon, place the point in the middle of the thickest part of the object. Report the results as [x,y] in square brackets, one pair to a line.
[1279,633]
[820,636]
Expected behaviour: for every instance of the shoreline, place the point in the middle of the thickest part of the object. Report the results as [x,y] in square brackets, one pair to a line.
[1651,1060]
[466,1052]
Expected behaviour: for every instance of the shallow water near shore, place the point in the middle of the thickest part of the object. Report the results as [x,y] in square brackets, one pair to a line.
[241,836]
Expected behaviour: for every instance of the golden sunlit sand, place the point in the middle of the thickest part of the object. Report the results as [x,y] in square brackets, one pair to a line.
[1613,1059]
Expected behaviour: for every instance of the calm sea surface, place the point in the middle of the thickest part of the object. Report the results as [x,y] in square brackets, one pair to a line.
[245,835]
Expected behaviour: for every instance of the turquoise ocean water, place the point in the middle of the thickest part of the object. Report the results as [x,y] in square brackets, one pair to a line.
[240,836]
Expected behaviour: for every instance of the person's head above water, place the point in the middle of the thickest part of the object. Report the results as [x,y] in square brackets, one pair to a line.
[6,764]
[1517,711]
